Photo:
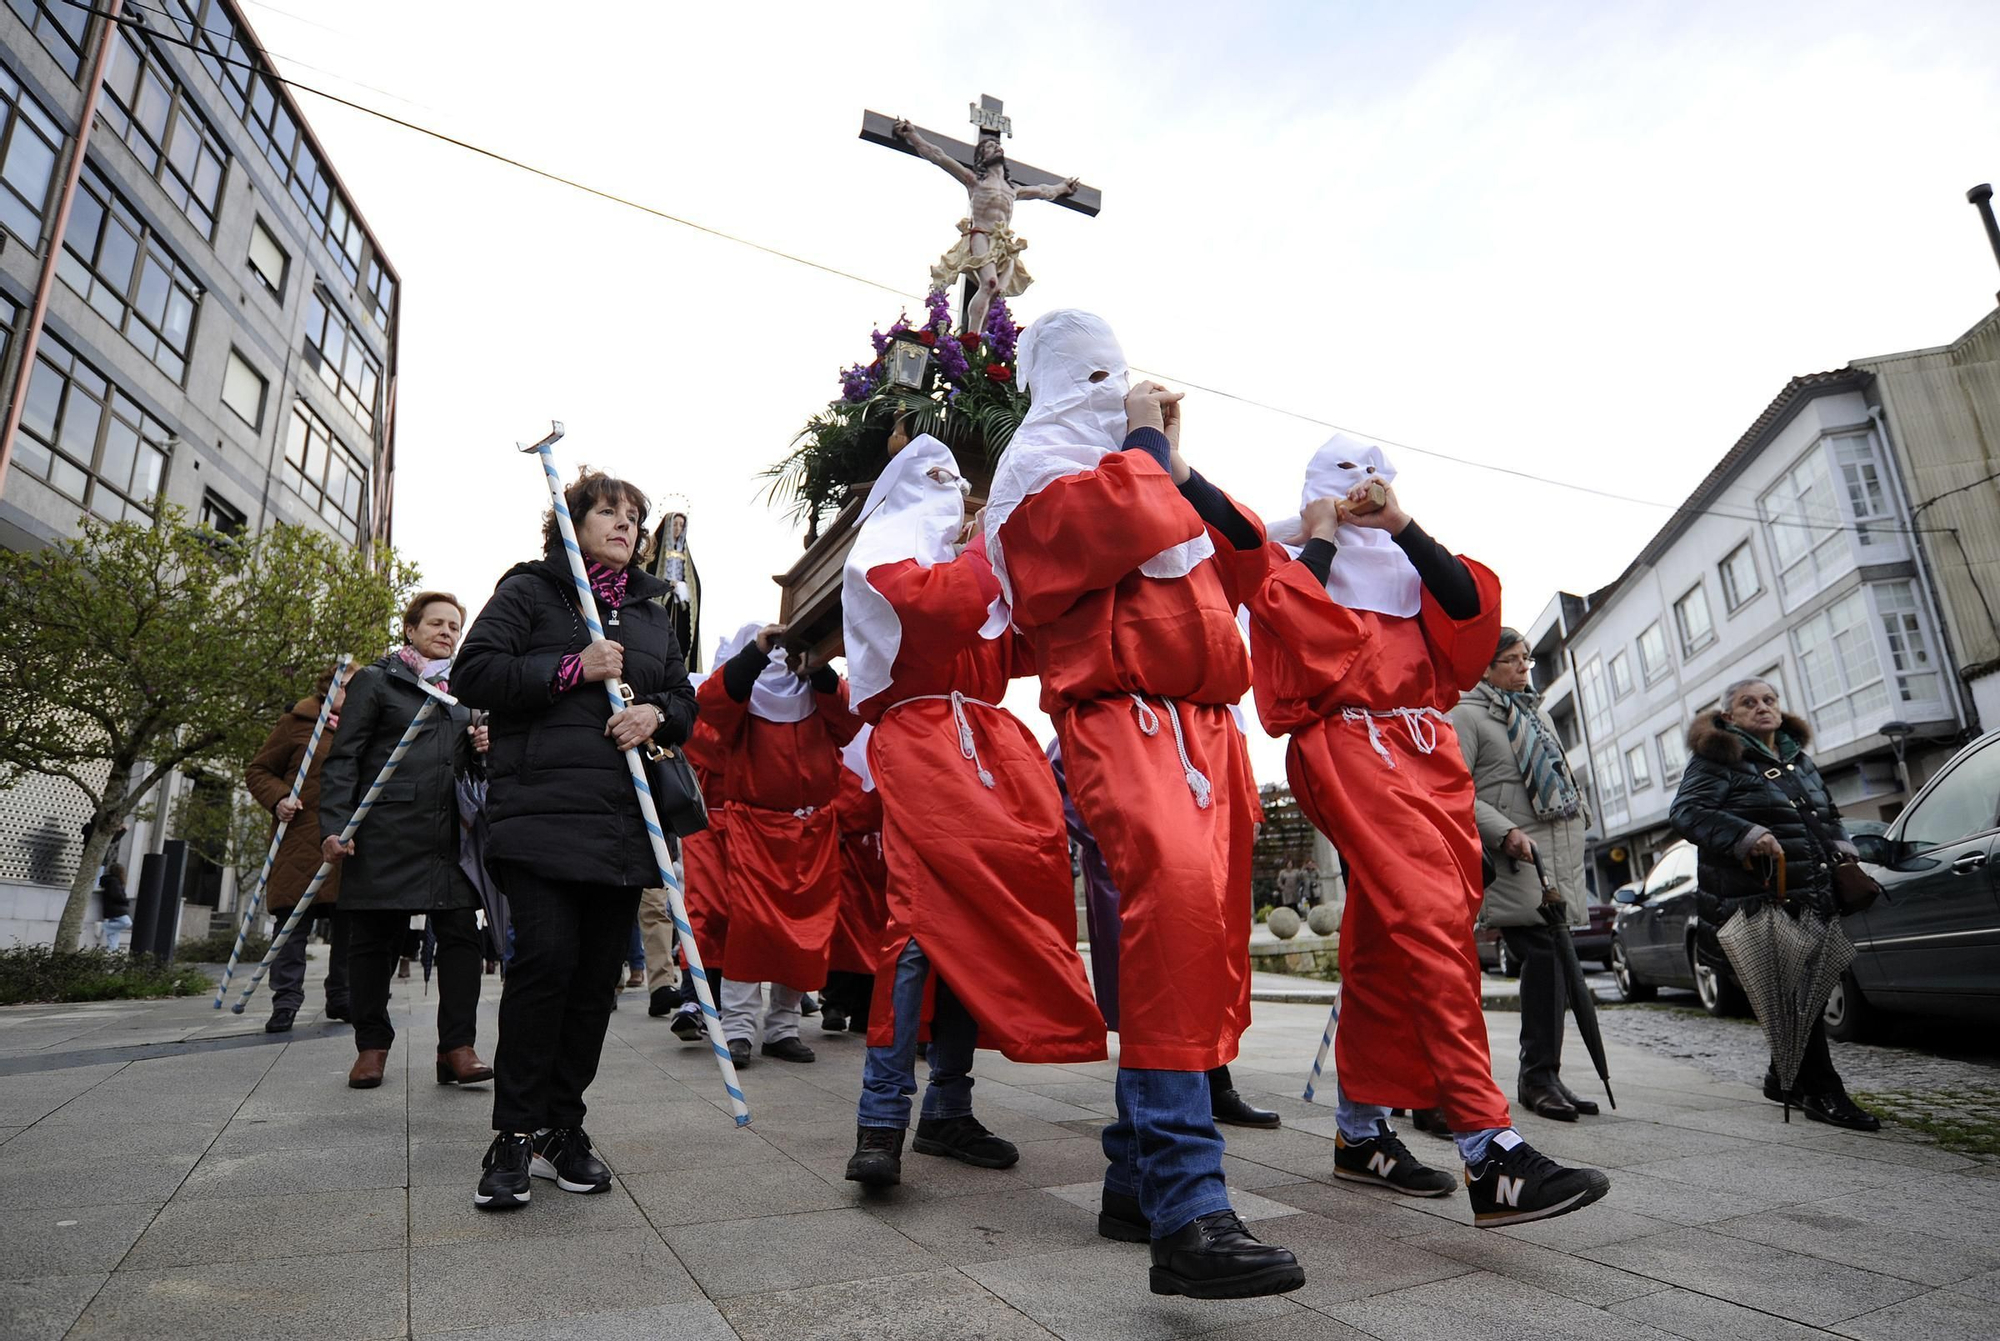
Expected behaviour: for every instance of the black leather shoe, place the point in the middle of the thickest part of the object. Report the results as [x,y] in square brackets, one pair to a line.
[1549,1104]
[1214,1257]
[1232,1109]
[832,1020]
[663,1001]
[280,1021]
[1836,1109]
[337,1011]
[877,1160]
[966,1140]
[790,1050]
[1120,1218]
[1430,1121]
[1587,1107]
[1775,1092]
[739,1052]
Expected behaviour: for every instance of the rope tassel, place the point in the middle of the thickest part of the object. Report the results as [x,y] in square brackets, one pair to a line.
[1149,724]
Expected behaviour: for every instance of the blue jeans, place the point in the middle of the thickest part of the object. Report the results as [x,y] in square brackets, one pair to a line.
[1357,1123]
[1164,1149]
[114,931]
[635,952]
[889,1075]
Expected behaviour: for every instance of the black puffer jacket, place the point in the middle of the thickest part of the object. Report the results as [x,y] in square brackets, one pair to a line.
[1731,795]
[561,800]
[406,850]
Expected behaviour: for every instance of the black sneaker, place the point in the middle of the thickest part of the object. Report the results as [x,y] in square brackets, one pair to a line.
[965,1140]
[808,1004]
[790,1050]
[877,1160]
[563,1153]
[1121,1219]
[663,1001]
[1836,1109]
[1514,1186]
[280,1021]
[833,1020]
[1383,1159]
[687,1023]
[1214,1257]
[505,1182]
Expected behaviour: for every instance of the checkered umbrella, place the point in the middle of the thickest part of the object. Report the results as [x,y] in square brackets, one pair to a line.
[1787,955]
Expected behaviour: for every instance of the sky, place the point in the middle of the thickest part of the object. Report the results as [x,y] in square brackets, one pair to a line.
[1587,242]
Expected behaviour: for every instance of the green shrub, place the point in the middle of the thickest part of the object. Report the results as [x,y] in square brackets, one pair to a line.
[41,973]
[214,948]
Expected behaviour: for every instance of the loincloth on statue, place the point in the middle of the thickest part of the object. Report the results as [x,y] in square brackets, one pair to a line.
[1002,247]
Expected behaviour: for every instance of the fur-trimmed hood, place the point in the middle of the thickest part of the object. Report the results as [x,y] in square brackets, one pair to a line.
[1710,738]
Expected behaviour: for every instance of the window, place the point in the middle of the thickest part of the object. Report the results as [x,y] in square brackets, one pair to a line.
[1739,577]
[1675,867]
[59,27]
[221,516]
[322,471]
[1621,675]
[153,114]
[1961,805]
[379,296]
[243,390]
[1910,656]
[268,261]
[335,350]
[124,271]
[1673,754]
[1861,477]
[1691,617]
[1653,661]
[1610,777]
[87,438]
[28,143]
[1590,681]
[1638,769]
[1844,688]
[1805,525]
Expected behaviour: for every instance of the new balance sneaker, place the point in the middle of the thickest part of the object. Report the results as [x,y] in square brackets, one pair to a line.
[1518,1184]
[504,1185]
[1383,1159]
[563,1153]
[687,1022]
[877,1160]
[966,1140]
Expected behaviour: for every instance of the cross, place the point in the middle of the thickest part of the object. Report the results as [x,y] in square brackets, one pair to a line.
[988,117]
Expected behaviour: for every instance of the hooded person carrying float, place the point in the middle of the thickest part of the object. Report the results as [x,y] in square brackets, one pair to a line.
[1124,570]
[778,737]
[981,938]
[1363,634]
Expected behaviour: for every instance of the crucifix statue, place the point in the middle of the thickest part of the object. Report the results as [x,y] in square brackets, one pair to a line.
[987,251]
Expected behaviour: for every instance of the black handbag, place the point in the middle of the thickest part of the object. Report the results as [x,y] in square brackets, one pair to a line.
[676,790]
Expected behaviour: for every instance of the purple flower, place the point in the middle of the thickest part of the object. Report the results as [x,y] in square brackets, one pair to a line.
[881,341]
[1001,332]
[856,384]
[939,308]
[951,360]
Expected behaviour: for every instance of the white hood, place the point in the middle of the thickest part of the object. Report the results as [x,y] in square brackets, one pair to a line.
[1072,424]
[854,754]
[1370,570]
[776,695]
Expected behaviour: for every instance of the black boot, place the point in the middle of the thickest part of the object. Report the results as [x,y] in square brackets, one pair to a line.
[966,1140]
[1120,1218]
[1586,1107]
[877,1160]
[1214,1257]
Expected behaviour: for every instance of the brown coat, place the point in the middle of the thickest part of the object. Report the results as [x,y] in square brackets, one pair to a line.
[269,778]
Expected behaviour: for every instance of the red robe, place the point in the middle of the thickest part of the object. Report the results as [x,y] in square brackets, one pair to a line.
[704,855]
[1102,631]
[978,874]
[1411,1031]
[778,781]
[864,909]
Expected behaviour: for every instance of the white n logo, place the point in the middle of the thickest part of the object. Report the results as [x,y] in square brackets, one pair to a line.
[1380,1164]
[1508,1189]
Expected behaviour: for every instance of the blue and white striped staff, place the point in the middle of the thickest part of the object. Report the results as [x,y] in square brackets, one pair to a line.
[271,853]
[621,698]
[1325,1042]
[410,733]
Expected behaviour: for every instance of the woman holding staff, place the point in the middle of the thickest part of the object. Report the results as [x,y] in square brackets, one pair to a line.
[569,845]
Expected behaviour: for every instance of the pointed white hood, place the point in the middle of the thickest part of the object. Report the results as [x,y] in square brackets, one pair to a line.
[1370,570]
[777,695]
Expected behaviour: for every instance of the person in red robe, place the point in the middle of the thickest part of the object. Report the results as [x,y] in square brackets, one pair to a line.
[864,898]
[1362,638]
[780,732]
[704,881]
[1124,568]
[982,915]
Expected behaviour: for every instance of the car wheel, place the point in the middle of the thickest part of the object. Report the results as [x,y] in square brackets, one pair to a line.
[1719,996]
[1847,1013]
[1507,967]
[1629,986]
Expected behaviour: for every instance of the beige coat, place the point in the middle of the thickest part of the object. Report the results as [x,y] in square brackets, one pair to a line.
[1514,898]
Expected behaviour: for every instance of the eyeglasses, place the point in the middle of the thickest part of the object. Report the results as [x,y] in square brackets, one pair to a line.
[1526,663]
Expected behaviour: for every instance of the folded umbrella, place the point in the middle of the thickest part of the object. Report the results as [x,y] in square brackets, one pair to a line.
[1581,1003]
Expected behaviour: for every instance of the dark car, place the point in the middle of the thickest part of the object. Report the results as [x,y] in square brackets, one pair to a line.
[1593,941]
[1931,944]
[1652,942]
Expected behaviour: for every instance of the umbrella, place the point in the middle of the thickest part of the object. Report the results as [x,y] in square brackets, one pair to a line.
[1787,956]
[1581,1003]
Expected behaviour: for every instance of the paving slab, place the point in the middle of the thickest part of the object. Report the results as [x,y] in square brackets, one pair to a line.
[1100,1293]
[338,1297]
[921,1306]
[1485,1307]
[446,1215]
[69,1240]
[1788,1284]
[512,1282]
[383,1162]
[1915,1256]
[786,1252]
[1531,1264]
[695,1320]
[745,1192]
[46,1308]
[1701,1317]
[188,1232]
[1942,1315]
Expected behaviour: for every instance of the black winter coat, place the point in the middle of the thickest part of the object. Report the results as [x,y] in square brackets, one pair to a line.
[1728,800]
[561,801]
[406,850]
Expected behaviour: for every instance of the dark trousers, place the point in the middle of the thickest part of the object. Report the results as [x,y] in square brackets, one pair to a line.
[1543,1003]
[569,940]
[375,942]
[851,994]
[288,969]
[1816,1073]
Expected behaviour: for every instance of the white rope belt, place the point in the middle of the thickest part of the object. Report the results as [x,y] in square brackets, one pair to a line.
[1149,724]
[1421,723]
[968,747]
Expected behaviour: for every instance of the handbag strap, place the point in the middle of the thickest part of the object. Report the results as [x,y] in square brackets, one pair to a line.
[1807,812]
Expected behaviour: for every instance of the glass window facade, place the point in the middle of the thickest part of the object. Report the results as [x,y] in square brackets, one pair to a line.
[335,351]
[1691,616]
[1739,577]
[29,142]
[147,108]
[58,26]
[1638,769]
[1913,658]
[1805,523]
[1844,688]
[1621,675]
[1653,661]
[87,438]
[320,469]
[125,272]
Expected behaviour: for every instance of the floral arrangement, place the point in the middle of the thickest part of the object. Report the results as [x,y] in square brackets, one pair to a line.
[970,402]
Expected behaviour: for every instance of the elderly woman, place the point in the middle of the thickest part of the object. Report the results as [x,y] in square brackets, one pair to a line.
[404,858]
[567,842]
[1527,804]
[1747,763]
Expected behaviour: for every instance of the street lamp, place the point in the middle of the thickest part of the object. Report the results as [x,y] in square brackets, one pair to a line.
[1898,735]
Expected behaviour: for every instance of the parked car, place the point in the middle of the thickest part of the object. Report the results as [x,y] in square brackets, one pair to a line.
[1931,944]
[1652,941]
[1593,942]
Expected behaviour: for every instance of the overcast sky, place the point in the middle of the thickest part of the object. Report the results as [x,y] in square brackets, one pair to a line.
[1587,241]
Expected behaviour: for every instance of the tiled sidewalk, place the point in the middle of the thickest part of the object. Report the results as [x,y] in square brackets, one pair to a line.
[243,1191]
